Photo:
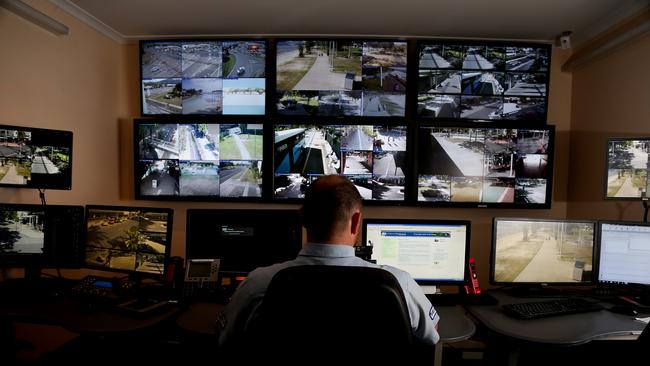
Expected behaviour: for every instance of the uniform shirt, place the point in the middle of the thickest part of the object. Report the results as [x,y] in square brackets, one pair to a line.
[250,292]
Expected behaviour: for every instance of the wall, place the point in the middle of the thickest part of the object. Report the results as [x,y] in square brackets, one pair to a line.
[611,98]
[89,84]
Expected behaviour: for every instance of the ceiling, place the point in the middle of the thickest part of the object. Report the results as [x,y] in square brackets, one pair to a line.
[540,20]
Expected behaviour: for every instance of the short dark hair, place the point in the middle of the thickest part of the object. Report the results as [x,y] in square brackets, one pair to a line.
[329,203]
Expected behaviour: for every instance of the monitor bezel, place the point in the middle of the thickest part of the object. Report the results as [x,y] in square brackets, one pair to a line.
[492,279]
[606,175]
[273,95]
[199,120]
[433,222]
[420,43]
[332,122]
[65,180]
[180,41]
[479,125]
[597,254]
[131,273]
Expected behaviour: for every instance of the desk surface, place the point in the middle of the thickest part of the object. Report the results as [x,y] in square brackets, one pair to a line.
[56,308]
[573,329]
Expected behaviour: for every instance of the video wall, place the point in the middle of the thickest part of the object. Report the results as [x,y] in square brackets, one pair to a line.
[442,123]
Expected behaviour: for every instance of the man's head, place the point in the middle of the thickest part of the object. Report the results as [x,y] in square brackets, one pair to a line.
[332,211]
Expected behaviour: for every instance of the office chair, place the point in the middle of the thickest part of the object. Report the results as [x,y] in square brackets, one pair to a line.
[323,312]
[644,337]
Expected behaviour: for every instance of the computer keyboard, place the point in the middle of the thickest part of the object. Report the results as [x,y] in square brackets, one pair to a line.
[560,306]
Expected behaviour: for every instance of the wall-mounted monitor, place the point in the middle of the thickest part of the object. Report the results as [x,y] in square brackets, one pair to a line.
[373,157]
[197,160]
[203,77]
[433,252]
[485,166]
[341,77]
[134,240]
[624,253]
[35,158]
[481,80]
[627,168]
[531,251]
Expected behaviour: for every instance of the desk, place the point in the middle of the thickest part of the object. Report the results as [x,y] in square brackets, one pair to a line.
[564,330]
[454,325]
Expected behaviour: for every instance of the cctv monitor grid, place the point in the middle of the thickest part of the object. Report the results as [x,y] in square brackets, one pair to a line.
[482,82]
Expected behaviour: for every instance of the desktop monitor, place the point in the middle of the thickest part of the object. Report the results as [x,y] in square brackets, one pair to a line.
[37,236]
[341,77]
[197,160]
[481,80]
[373,157]
[203,77]
[243,239]
[433,252]
[35,158]
[459,166]
[624,253]
[133,240]
[627,168]
[536,252]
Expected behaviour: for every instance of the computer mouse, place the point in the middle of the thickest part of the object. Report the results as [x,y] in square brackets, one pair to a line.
[623,309]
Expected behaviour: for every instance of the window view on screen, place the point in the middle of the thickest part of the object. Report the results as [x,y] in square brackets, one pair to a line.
[203,77]
[484,82]
[483,165]
[199,159]
[428,252]
[341,78]
[127,239]
[624,253]
[372,157]
[21,232]
[37,158]
[539,251]
[627,168]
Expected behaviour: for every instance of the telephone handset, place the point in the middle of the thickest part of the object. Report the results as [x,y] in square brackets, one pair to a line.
[201,277]
[473,288]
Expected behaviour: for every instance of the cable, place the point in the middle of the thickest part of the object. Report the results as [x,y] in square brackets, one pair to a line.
[646,205]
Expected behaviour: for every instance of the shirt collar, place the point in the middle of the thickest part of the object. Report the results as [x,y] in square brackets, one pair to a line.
[326,250]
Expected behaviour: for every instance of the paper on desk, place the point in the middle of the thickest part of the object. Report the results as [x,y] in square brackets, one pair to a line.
[645,320]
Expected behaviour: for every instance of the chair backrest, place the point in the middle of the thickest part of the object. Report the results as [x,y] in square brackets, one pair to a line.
[315,308]
[644,337]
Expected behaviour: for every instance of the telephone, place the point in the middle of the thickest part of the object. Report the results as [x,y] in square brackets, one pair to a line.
[473,288]
[201,277]
[104,289]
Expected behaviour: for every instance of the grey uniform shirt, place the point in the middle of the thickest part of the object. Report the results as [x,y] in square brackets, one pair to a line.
[250,292]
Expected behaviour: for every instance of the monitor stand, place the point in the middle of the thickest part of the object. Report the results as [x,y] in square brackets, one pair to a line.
[532,291]
[430,290]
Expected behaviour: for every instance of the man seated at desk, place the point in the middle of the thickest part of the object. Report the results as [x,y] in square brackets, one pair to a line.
[332,217]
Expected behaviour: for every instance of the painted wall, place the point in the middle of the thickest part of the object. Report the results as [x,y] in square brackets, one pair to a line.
[611,98]
[89,84]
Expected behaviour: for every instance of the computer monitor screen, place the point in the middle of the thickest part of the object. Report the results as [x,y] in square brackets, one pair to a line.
[134,240]
[483,80]
[243,239]
[341,77]
[42,236]
[35,158]
[374,158]
[542,251]
[431,251]
[624,253]
[627,168]
[203,76]
[485,167]
[197,160]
